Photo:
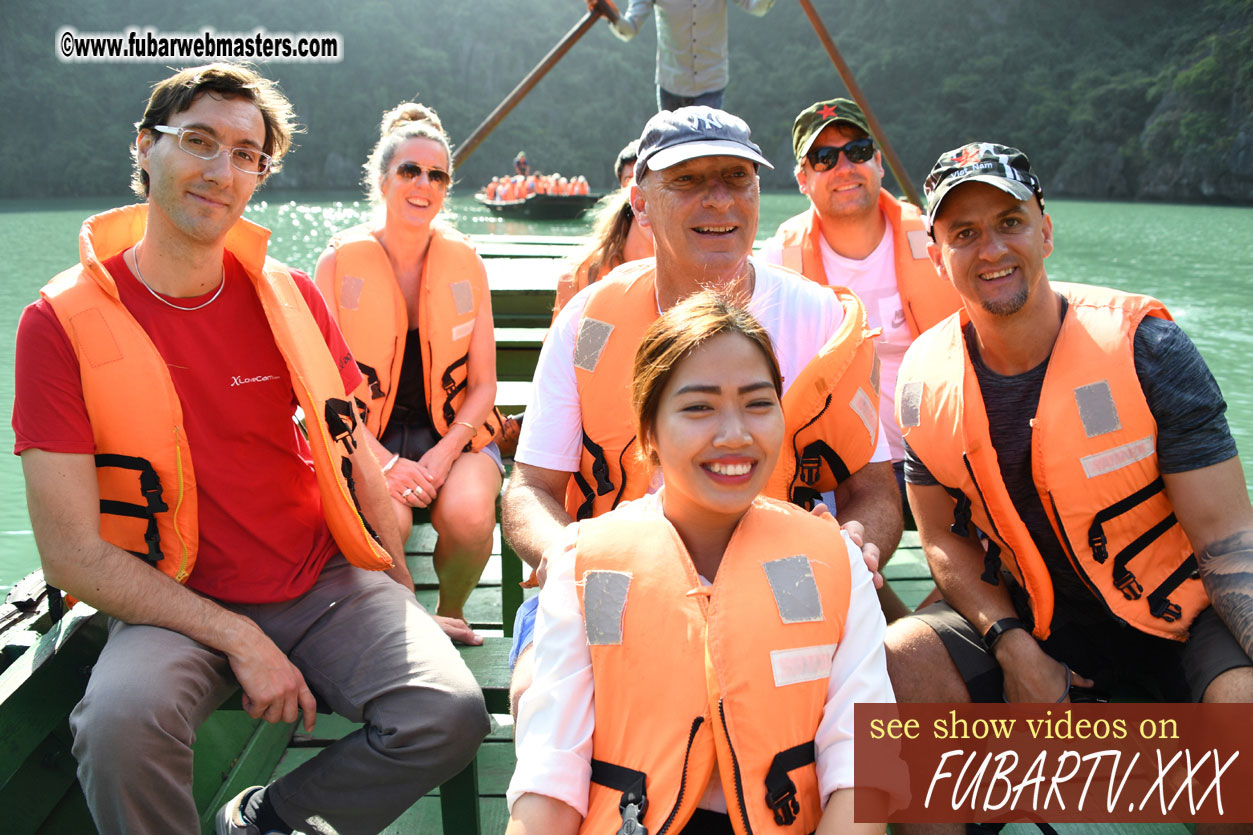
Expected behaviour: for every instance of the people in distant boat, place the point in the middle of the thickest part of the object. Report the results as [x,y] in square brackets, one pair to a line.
[624,165]
[692,65]
[411,297]
[616,238]
[1101,536]
[520,165]
[696,188]
[170,487]
[707,555]
[858,236]
[518,187]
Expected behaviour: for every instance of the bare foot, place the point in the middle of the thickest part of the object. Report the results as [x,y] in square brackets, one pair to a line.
[458,630]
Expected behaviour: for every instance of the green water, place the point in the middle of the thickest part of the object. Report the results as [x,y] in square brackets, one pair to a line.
[1197,259]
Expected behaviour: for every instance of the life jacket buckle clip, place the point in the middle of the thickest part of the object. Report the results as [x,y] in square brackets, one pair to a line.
[632,813]
[1097,542]
[1164,609]
[784,803]
[1129,586]
[809,468]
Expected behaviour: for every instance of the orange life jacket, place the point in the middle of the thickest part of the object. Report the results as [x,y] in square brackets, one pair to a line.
[744,666]
[925,296]
[831,410]
[367,302]
[143,463]
[570,283]
[1093,459]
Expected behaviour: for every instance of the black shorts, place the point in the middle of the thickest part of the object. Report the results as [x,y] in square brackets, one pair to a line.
[1122,661]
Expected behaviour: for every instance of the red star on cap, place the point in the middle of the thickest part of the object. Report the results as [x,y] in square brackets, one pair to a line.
[827,112]
[966,157]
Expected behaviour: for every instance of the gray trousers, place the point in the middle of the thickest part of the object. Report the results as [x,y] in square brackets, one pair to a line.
[364,646]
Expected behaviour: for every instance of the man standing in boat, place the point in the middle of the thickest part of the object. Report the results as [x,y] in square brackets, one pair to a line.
[696,188]
[1077,489]
[692,64]
[156,386]
[858,236]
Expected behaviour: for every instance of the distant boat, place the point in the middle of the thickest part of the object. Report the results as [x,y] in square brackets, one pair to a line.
[542,206]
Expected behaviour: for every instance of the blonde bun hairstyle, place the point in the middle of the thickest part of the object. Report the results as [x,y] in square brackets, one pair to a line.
[407,120]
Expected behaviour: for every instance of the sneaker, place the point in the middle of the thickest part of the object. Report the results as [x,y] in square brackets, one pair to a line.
[230,820]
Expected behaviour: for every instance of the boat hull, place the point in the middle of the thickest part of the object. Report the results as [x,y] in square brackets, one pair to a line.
[542,206]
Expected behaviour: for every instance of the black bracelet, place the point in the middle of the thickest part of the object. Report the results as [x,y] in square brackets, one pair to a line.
[996,630]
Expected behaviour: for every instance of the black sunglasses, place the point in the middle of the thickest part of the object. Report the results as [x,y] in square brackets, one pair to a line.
[411,171]
[828,156]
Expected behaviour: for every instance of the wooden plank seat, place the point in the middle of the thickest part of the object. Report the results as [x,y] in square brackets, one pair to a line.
[907,572]
[523,289]
[517,351]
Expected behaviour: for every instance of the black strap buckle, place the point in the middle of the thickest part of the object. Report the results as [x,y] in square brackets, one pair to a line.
[780,790]
[341,421]
[149,489]
[634,801]
[632,815]
[1162,607]
[784,803]
[1098,543]
[372,378]
[1128,585]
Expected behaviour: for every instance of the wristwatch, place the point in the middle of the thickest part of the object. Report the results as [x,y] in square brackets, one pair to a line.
[996,630]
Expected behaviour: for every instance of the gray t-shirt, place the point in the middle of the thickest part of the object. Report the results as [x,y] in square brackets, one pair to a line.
[1192,433]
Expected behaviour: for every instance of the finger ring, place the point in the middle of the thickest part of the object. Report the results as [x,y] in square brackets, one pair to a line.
[420,490]
[407,491]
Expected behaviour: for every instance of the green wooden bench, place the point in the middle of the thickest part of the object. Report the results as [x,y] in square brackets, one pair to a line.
[517,351]
[523,290]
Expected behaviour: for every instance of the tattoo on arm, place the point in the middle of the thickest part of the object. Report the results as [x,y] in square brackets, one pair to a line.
[1227,572]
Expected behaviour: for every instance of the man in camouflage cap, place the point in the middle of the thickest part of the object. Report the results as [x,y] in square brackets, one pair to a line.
[856,235]
[1076,486]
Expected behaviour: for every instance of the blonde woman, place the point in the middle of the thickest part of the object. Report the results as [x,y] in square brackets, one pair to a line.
[411,297]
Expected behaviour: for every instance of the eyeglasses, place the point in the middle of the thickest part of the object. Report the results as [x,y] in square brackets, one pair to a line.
[409,171]
[203,146]
[828,156]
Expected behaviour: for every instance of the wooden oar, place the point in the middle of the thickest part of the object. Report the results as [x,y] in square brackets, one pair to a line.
[894,162]
[604,8]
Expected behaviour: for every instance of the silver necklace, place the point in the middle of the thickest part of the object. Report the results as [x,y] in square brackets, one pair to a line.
[163,299]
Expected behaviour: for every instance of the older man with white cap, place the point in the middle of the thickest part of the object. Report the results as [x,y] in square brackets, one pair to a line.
[696,188]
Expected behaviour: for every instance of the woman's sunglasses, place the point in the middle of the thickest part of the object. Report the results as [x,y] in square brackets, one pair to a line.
[408,171]
[828,156]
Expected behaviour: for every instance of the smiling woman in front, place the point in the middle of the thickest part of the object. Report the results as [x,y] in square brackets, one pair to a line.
[699,651]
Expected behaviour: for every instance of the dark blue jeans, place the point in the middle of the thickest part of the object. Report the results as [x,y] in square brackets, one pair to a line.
[669,101]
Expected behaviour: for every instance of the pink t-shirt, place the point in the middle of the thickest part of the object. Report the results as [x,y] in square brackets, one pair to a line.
[263,536]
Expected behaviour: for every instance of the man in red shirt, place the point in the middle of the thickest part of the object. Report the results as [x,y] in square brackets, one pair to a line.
[154,415]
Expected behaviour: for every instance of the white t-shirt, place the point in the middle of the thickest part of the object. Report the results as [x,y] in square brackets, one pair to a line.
[556,716]
[799,316]
[873,279]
